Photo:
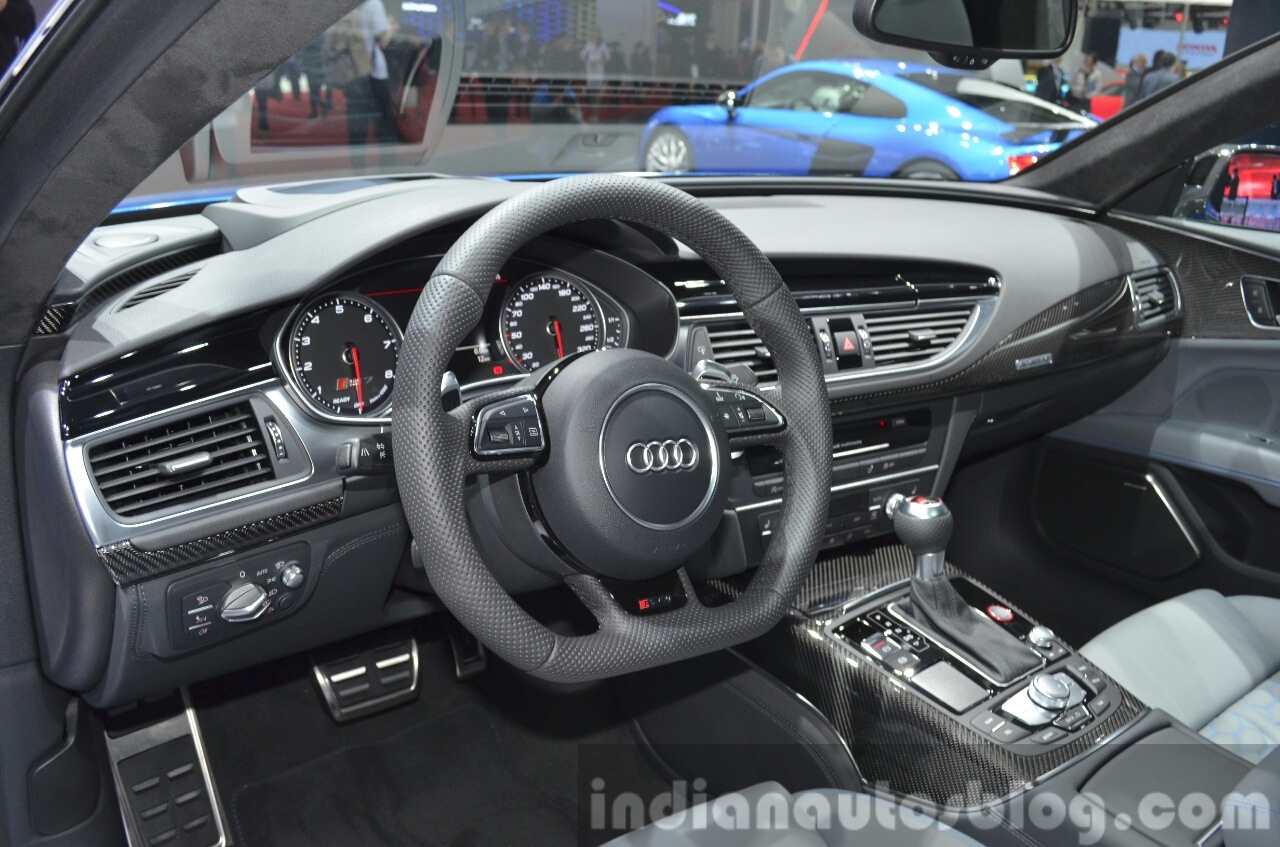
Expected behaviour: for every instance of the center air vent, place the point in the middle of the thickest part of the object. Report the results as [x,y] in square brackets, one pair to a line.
[1155,295]
[899,338]
[206,455]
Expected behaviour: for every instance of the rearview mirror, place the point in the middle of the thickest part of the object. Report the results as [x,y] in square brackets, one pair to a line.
[971,33]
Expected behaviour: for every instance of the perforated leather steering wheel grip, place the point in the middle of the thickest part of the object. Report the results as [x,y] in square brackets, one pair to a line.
[433,462]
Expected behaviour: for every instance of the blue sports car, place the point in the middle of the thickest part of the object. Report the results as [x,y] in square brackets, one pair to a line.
[875,118]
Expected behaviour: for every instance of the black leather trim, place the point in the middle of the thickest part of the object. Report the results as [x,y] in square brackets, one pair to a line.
[722,719]
[73,594]
[435,462]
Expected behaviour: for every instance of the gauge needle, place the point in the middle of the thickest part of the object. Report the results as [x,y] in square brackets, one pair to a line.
[355,363]
[559,338]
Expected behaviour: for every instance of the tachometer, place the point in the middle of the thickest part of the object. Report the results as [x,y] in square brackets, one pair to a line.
[548,317]
[342,350]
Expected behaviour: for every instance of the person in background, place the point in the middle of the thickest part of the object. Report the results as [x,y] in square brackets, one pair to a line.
[711,59]
[319,92]
[1085,82]
[1049,81]
[17,22]
[641,63]
[1161,75]
[525,49]
[368,98]
[1133,79]
[1180,69]
[595,55]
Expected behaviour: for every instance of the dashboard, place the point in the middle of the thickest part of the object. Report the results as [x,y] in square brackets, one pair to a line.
[220,390]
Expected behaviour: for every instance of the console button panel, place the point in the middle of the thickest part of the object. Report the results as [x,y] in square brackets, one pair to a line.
[880,634]
[237,597]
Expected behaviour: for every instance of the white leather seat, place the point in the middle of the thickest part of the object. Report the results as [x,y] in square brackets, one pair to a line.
[767,814]
[1210,661]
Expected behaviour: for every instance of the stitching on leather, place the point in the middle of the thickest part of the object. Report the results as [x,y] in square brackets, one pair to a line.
[1252,807]
[374,535]
[785,727]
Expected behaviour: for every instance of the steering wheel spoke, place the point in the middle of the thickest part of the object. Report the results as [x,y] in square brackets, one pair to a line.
[749,419]
[504,434]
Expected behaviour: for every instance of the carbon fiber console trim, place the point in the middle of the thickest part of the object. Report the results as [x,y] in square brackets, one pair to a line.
[128,565]
[901,743]
[1209,273]
[1091,325]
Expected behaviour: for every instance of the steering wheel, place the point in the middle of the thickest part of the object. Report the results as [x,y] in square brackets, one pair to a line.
[623,457]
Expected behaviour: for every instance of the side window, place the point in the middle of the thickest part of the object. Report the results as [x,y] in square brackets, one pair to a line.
[807,92]
[781,91]
[877,103]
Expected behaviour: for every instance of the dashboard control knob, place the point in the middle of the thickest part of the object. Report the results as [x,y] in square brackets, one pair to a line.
[1041,636]
[1048,692]
[292,577]
[244,603]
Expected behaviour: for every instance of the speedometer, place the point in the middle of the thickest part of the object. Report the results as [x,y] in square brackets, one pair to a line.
[342,350]
[546,318]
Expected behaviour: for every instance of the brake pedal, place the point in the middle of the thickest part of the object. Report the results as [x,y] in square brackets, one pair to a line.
[469,656]
[363,681]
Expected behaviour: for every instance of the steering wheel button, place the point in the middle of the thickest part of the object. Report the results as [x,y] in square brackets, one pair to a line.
[499,435]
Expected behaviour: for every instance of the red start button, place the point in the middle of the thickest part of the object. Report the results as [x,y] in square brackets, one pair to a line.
[999,614]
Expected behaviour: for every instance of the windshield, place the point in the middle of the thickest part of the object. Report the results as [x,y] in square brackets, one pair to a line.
[517,88]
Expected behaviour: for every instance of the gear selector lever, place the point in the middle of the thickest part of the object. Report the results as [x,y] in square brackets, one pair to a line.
[923,525]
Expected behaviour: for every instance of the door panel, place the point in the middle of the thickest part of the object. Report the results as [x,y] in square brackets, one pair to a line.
[1204,430]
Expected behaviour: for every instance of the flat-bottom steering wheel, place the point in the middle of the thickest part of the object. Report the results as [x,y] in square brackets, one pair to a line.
[624,457]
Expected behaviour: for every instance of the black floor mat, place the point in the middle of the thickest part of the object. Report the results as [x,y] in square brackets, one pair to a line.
[444,782]
[493,761]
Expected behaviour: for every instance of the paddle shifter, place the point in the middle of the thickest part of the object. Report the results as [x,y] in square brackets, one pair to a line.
[924,525]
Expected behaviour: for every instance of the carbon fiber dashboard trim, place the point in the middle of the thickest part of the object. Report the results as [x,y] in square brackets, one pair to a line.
[1209,274]
[128,565]
[1093,324]
[901,743]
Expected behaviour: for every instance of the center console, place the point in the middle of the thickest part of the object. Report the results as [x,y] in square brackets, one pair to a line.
[1061,700]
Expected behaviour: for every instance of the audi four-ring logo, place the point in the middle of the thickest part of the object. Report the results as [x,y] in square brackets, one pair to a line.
[673,454]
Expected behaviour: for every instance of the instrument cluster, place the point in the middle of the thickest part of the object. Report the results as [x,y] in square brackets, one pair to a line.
[339,350]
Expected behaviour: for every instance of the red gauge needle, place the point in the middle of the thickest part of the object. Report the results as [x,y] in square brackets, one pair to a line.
[559,338]
[355,363]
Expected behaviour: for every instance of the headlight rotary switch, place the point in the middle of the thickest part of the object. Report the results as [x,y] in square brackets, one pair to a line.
[243,603]
[292,577]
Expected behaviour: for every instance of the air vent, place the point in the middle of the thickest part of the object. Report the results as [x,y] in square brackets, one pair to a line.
[210,454]
[130,277]
[899,338]
[1155,295]
[736,343]
[155,289]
